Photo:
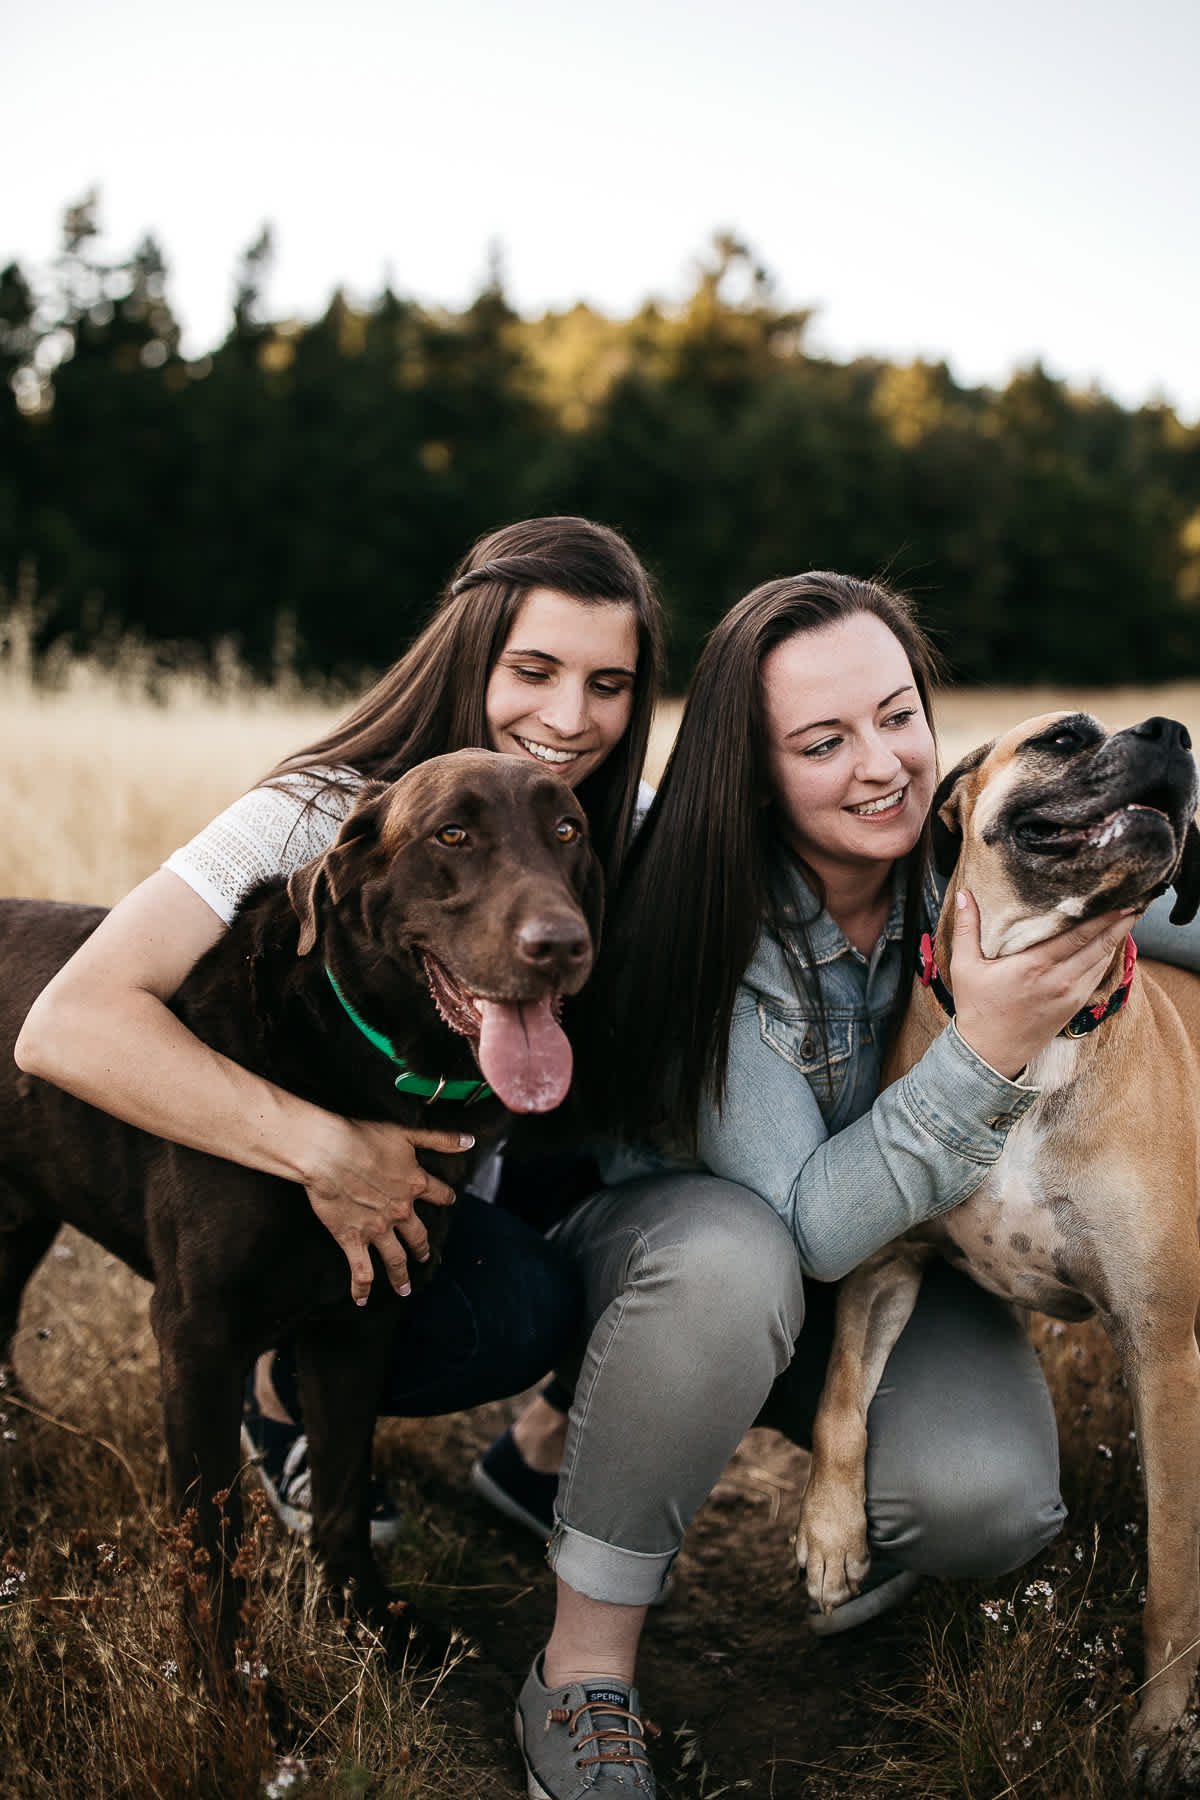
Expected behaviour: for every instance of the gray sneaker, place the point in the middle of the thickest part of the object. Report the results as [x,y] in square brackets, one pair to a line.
[585,1738]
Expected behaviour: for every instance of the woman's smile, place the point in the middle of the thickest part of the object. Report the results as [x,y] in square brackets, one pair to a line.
[870,809]
[561,692]
[546,752]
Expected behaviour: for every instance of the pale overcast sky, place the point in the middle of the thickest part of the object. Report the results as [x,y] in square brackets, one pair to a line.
[940,178]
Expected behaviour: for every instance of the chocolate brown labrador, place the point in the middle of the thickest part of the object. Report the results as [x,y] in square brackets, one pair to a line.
[439,932]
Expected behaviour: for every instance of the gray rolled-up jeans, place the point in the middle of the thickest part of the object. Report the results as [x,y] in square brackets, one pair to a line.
[695,1308]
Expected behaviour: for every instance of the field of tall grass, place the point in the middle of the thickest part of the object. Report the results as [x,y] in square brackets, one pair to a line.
[1021,1689]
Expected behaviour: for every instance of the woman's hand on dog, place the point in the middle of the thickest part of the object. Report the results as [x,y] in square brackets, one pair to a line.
[363,1188]
[1010,1007]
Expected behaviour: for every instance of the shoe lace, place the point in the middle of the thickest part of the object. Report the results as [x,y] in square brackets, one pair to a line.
[295,1481]
[614,1744]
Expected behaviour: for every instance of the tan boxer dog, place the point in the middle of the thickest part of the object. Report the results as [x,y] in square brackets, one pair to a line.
[1092,1206]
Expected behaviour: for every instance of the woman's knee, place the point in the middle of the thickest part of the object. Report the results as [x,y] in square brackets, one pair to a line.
[699,1271]
[727,1259]
[980,1513]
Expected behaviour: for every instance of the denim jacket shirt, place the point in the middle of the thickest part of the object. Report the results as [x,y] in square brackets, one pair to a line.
[848,1168]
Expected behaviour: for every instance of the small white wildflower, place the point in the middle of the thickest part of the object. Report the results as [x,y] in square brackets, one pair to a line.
[10,1437]
[11,1586]
[1091,1702]
[106,1555]
[170,1670]
[292,1772]
[256,1670]
[1078,1553]
[1040,1590]
[1104,1450]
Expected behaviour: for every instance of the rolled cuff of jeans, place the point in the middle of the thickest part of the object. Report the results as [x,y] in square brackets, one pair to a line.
[603,1571]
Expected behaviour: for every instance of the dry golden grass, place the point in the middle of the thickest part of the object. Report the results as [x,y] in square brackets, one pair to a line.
[100,785]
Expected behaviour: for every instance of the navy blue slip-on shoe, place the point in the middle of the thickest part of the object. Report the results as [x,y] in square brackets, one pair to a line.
[503,1478]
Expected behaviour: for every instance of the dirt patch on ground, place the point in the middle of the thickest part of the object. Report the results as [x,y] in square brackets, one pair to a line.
[747,1700]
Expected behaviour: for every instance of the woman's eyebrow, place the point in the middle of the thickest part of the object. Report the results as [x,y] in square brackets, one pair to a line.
[545,656]
[827,724]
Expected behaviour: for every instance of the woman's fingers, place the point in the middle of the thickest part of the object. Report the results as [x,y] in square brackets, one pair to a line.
[439,1192]
[1010,1007]
[366,1191]
[448,1141]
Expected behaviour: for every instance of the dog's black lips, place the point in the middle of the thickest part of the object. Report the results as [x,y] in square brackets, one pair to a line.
[1042,835]
[457,1006]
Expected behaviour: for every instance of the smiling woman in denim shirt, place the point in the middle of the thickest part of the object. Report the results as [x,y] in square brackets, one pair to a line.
[761,948]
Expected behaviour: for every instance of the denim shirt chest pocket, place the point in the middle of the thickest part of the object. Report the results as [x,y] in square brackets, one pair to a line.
[840,1063]
[823,1056]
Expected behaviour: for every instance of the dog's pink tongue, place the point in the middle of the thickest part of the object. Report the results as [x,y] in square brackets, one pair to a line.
[524,1054]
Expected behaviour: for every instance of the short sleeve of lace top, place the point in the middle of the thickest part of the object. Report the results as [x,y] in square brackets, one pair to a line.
[270,831]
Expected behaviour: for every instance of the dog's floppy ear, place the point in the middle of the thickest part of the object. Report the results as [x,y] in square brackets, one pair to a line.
[333,868]
[945,821]
[1186,879]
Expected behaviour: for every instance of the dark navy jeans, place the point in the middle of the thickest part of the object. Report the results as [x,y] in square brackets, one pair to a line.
[503,1308]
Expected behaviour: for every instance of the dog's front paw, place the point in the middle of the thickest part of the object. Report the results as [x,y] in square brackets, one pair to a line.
[1164,1762]
[831,1546]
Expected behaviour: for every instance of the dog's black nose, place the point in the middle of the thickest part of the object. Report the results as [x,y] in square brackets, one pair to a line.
[1167,732]
[549,941]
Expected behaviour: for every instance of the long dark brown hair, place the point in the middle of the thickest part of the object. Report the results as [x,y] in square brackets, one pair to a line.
[433,699]
[697,889]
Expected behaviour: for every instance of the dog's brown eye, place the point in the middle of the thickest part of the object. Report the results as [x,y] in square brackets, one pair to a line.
[451,835]
[566,831]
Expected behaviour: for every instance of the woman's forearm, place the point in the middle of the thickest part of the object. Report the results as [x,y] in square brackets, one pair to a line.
[103,1030]
[125,1052]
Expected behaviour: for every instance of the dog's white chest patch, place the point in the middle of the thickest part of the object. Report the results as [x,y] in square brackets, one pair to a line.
[1012,1234]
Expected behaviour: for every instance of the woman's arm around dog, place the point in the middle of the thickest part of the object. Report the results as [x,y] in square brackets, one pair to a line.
[103,1030]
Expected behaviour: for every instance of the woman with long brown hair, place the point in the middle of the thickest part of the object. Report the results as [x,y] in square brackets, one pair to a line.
[545,645]
[757,955]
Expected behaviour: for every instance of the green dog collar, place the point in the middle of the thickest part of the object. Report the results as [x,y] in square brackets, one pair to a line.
[421,1086]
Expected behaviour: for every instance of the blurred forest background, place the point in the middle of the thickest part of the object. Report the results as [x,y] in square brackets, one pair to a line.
[301,494]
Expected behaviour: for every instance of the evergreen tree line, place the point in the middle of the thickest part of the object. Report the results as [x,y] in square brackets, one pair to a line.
[310,484]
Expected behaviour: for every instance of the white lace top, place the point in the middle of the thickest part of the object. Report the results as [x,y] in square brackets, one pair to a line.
[269,831]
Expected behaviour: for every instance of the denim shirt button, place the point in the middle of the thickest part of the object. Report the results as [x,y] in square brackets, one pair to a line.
[1001,1122]
[808,1048]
